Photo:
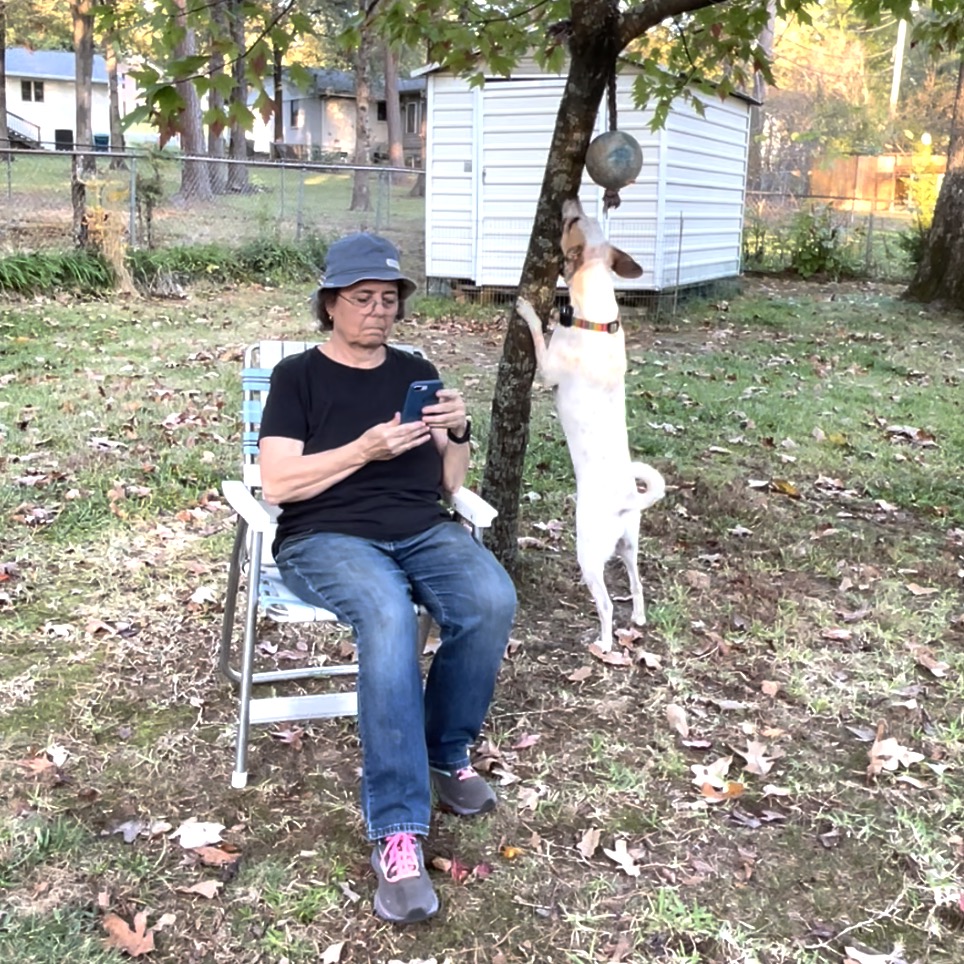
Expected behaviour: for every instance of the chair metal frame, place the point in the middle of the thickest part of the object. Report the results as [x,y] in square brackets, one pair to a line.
[265,593]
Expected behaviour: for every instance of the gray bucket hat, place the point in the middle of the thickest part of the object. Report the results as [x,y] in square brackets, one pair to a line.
[360,257]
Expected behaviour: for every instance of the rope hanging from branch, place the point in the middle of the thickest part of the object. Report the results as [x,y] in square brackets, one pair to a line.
[611,197]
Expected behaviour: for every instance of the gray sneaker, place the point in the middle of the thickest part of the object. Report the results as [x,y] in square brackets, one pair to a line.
[405,894]
[463,791]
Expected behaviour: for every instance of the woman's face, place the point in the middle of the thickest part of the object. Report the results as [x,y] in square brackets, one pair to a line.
[364,313]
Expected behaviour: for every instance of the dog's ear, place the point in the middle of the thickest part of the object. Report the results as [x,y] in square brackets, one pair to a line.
[622,264]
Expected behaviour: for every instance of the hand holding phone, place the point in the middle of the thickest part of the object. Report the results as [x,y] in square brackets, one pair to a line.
[420,394]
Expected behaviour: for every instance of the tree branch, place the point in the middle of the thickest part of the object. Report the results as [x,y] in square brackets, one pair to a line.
[637,20]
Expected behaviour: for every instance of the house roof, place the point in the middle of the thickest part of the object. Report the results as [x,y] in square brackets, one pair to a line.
[333,83]
[49,65]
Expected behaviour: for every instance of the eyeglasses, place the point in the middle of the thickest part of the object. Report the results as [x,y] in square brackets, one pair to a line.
[368,301]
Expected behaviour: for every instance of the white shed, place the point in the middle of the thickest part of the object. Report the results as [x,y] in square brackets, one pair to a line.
[486,150]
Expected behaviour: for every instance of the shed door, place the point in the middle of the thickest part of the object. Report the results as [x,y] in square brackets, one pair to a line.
[518,118]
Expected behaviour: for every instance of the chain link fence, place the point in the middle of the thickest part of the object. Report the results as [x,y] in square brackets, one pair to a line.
[161,199]
[824,234]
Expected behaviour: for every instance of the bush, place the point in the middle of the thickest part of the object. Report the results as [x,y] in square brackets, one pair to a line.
[81,271]
[818,246]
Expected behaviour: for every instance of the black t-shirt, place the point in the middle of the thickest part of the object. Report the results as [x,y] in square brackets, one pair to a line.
[326,405]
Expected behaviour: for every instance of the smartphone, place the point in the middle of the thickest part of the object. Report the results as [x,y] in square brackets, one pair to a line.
[419,395]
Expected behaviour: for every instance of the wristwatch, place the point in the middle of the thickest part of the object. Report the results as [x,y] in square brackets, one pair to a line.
[464,437]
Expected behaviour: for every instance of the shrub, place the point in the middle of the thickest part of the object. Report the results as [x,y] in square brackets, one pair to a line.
[818,246]
[81,271]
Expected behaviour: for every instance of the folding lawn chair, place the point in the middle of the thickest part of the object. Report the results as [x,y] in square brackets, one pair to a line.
[266,596]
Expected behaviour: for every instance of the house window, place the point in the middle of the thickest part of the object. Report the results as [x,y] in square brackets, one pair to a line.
[381,111]
[411,117]
[32,90]
[297,118]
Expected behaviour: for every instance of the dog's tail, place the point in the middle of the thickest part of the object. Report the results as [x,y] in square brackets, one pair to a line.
[654,482]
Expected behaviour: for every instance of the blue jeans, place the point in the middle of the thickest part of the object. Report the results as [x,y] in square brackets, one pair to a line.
[372,586]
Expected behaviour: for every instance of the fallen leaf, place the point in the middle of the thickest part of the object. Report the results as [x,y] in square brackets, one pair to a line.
[135,941]
[292,735]
[729,791]
[526,740]
[888,754]
[332,953]
[131,829]
[206,888]
[756,761]
[216,857]
[769,688]
[589,842]
[714,774]
[611,658]
[917,590]
[621,856]
[193,834]
[510,852]
[836,633]
[855,956]
[583,673]
[528,799]
[676,716]
[928,661]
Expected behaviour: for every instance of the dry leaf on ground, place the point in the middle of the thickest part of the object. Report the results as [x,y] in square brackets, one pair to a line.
[135,941]
[888,754]
[714,774]
[620,854]
[193,834]
[332,953]
[589,842]
[205,888]
[676,716]
[756,760]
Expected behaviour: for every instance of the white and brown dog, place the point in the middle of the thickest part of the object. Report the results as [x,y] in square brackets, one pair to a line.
[585,363]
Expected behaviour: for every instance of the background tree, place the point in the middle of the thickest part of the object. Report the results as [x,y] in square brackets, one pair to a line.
[393,112]
[83,19]
[195,175]
[4,133]
[362,63]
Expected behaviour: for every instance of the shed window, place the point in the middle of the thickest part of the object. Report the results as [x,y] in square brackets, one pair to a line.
[297,115]
[381,111]
[32,90]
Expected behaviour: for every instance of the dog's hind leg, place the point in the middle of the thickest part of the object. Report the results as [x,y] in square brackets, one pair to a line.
[627,549]
[593,567]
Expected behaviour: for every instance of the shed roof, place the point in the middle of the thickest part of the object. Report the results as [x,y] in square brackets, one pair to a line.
[50,65]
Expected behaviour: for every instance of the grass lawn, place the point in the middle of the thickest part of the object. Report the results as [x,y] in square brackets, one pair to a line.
[770,772]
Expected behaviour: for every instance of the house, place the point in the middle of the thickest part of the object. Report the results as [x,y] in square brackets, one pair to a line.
[319,123]
[485,156]
[42,103]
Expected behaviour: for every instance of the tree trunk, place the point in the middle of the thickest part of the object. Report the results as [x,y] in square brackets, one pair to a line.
[940,274]
[195,180]
[217,171]
[360,195]
[393,115]
[117,145]
[238,173]
[593,49]
[279,103]
[754,161]
[82,14]
[4,133]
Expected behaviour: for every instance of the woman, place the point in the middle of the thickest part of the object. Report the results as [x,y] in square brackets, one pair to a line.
[363,534]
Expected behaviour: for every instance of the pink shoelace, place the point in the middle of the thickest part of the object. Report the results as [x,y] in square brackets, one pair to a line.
[466,773]
[400,857]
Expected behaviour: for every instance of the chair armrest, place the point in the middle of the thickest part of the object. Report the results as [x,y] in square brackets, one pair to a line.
[473,508]
[247,506]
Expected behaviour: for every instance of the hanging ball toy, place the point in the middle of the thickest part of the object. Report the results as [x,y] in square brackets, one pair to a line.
[614,159]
